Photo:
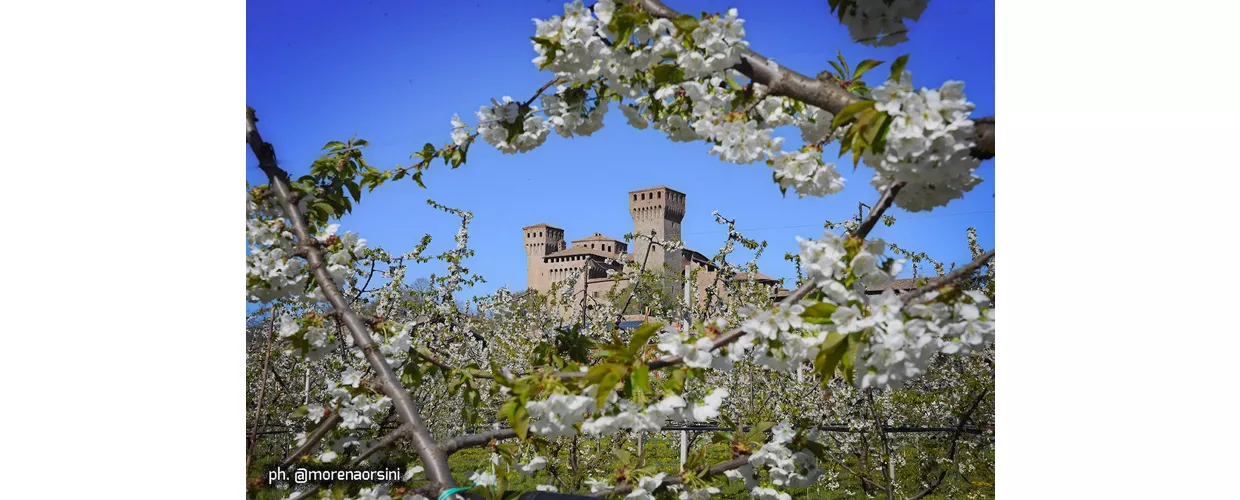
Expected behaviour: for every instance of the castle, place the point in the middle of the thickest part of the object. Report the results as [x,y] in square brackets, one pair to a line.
[659,210]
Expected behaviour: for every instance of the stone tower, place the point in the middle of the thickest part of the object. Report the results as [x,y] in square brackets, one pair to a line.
[540,240]
[659,209]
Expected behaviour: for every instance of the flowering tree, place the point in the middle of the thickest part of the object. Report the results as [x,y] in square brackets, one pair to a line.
[383,363]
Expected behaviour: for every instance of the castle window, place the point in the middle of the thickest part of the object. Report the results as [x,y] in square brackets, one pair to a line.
[634,197]
[660,195]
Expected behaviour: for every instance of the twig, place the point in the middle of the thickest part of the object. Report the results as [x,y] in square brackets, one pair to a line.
[876,213]
[951,277]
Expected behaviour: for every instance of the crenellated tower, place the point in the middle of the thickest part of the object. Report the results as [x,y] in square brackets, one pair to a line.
[540,240]
[659,209]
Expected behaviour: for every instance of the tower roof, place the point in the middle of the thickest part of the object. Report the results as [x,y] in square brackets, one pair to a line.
[596,237]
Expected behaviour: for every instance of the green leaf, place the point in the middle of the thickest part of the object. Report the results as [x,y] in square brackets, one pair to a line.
[360,143]
[508,411]
[623,23]
[522,423]
[757,433]
[830,354]
[354,190]
[847,113]
[334,145]
[819,311]
[880,137]
[642,335]
[839,72]
[849,359]
[417,177]
[864,66]
[677,381]
[897,68]
[607,385]
[685,23]
[641,377]
[550,47]
[667,73]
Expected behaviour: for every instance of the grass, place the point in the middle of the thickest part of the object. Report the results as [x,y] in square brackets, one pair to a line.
[597,460]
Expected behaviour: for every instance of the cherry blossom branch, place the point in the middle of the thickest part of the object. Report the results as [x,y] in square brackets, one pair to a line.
[362,290]
[788,83]
[333,419]
[720,468]
[953,276]
[436,462]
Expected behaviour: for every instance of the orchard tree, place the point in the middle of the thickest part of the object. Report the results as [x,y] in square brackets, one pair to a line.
[546,393]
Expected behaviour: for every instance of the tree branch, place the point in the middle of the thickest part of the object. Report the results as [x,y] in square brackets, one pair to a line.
[435,461]
[333,419]
[951,277]
[735,463]
[474,440]
[876,213]
[788,83]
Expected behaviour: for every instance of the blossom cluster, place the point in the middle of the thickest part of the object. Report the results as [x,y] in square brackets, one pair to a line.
[559,414]
[786,469]
[899,339]
[699,103]
[497,122]
[902,344]
[880,23]
[356,411]
[928,143]
[271,269]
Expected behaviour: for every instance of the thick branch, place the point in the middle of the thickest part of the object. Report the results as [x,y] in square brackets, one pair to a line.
[435,461]
[788,83]
[474,440]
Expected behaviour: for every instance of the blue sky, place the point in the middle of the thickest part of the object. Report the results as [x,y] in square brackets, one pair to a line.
[393,73]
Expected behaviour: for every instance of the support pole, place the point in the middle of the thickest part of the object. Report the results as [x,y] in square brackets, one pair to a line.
[684,449]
